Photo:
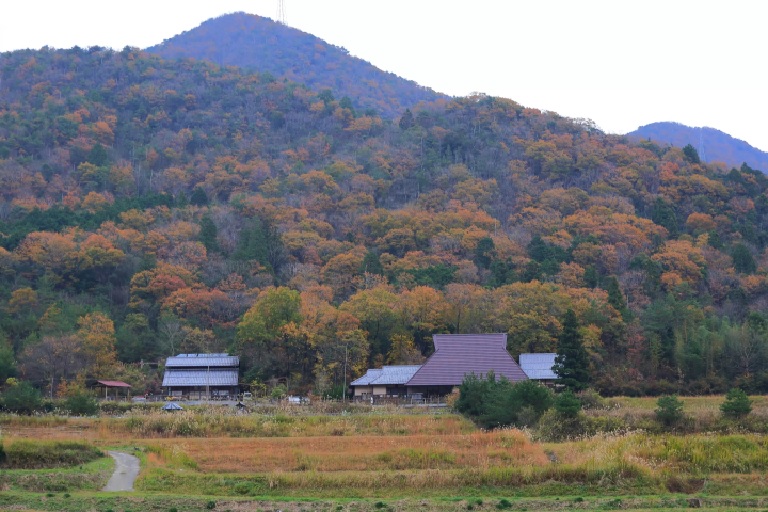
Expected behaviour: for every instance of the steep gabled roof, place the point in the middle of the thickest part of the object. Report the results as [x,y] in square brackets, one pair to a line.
[387,376]
[457,355]
[539,366]
[202,361]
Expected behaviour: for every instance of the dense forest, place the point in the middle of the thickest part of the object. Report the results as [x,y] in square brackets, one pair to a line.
[150,207]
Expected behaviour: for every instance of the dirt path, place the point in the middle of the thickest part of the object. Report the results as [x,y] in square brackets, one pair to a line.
[126,471]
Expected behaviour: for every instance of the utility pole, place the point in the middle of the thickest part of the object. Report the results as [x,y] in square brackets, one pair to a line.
[344,391]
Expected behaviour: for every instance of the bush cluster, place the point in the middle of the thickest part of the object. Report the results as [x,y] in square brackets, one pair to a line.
[25,454]
[494,403]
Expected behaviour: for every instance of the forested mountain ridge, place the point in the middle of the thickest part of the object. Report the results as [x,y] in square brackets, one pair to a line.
[149,207]
[263,45]
[712,145]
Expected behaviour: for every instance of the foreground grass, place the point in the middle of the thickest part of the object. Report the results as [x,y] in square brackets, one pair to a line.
[91,476]
[387,460]
[183,503]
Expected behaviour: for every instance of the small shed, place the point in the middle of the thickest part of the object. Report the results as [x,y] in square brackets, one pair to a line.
[120,390]
[172,406]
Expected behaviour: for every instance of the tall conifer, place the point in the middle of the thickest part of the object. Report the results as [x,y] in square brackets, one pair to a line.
[571,362]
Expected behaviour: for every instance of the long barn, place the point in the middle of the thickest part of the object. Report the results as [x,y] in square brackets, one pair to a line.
[202,376]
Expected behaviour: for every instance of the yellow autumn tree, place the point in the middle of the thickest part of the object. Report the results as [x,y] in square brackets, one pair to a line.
[96,332]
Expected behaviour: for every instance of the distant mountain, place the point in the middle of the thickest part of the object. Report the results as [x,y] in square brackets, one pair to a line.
[712,145]
[261,44]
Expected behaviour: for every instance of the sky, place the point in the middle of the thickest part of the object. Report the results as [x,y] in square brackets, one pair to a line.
[620,64]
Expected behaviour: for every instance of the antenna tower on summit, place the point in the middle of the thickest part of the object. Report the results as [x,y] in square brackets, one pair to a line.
[281,12]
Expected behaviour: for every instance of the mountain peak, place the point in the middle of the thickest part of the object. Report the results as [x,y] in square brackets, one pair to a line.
[264,45]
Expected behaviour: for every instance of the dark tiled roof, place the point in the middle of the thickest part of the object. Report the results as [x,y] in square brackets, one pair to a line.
[202,377]
[539,366]
[457,355]
[388,375]
[202,361]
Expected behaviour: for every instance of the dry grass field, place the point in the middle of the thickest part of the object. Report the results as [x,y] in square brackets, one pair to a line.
[388,456]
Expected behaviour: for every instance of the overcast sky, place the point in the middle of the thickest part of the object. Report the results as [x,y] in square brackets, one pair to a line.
[621,64]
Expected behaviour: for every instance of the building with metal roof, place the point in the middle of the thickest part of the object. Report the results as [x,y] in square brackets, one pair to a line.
[385,381]
[202,376]
[539,366]
[458,355]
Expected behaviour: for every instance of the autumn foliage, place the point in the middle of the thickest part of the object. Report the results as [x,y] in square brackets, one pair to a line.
[151,206]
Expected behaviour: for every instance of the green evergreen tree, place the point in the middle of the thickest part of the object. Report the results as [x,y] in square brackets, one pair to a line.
[199,197]
[664,215]
[7,362]
[737,404]
[484,252]
[669,410]
[743,261]
[616,297]
[209,233]
[372,264]
[406,121]
[571,362]
[591,278]
[690,154]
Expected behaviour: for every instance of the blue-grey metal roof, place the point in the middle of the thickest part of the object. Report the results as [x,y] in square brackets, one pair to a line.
[202,361]
[395,374]
[371,375]
[202,377]
[172,406]
[387,376]
[539,366]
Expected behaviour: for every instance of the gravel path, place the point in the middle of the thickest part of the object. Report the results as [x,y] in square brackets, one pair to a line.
[126,471]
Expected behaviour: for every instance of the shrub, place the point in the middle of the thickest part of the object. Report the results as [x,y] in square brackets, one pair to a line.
[591,400]
[520,404]
[737,404]
[567,404]
[22,398]
[81,404]
[669,410]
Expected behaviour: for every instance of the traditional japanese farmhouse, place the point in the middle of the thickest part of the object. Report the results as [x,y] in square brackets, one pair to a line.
[201,376]
[539,366]
[457,355]
[386,381]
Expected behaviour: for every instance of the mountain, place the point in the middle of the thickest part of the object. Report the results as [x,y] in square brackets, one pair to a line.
[712,145]
[261,44]
[151,206]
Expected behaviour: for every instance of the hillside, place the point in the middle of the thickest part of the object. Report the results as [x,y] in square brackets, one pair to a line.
[260,44]
[712,145]
[151,206]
